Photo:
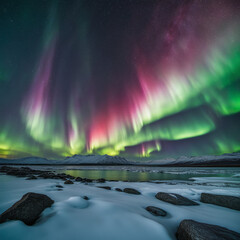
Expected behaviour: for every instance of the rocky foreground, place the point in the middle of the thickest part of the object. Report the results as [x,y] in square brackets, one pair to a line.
[29,208]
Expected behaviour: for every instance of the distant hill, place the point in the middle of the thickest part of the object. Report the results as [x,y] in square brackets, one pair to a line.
[74,160]
[232,159]
[95,159]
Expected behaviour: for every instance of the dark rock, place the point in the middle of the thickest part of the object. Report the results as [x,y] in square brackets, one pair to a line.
[118,189]
[131,191]
[32,177]
[55,177]
[156,211]
[70,176]
[46,175]
[105,187]
[62,175]
[192,230]
[101,180]
[175,199]
[85,197]
[78,179]
[68,182]
[86,180]
[37,172]
[221,200]
[27,209]
[17,173]
[26,169]
[5,168]
[59,186]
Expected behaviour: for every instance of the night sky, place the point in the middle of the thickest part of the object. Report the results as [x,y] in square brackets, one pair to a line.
[139,78]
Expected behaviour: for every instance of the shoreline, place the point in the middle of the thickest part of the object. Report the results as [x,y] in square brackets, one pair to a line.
[122,209]
[134,165]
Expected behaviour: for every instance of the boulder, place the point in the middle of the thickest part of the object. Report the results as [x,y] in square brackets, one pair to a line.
[47,175]
[26,169]
[78,179]
[156,211]
[118,189]
[5,168]
[85,197]
[27,209]
[175,199]
[101,180]
[131,191]
[62,176]
[105,187]
[17,173]
[70,176]
[192,230]
[221,200]
[68,182]
[59,186]
[32,177]
[86,180]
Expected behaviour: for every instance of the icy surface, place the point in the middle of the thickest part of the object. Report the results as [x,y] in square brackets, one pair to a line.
[112,214]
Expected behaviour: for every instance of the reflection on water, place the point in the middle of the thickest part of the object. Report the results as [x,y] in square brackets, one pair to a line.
[120,175]
[149,174]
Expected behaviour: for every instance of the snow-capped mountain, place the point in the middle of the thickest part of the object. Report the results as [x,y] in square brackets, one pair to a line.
[232,159]
[211,160]
[76,159]
[27,160]
[94,159]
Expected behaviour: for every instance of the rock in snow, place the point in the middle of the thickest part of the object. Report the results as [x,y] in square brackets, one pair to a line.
[175,199]
[68,182]
[32,177]
[27,209]
[221,200]
[105,187]
[118,189]
[78,179]
[156,211]
[131,191]
[192,230]
[101,180]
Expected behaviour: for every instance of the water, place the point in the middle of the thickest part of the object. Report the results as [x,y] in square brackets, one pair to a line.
[138,174]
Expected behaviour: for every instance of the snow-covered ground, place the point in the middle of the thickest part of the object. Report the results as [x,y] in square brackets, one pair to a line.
[114,215]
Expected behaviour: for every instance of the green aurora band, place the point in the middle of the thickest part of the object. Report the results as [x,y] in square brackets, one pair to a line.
[164,111]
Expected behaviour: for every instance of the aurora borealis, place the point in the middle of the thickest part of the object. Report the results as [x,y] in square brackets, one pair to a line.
[139,78]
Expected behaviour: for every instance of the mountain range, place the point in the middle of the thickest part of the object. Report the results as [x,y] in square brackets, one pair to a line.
[232,159]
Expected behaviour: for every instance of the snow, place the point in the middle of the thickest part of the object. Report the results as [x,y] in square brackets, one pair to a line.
[196,159]
[94,159]
[74,202]
[111,214]
[106,159]
[76,159]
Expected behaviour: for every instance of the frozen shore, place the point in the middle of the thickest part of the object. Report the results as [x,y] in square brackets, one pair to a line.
[110,214]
